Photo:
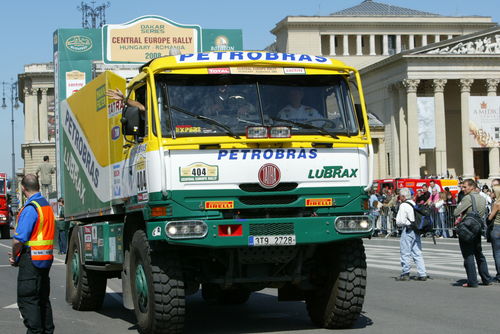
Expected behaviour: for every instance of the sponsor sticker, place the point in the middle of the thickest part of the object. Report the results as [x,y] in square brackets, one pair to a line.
[220,70]
[333,172]
[142,197]
[199,171]
[294,70]
[115,132]
[156,232]
[88,238]
[319,201]
[219,205]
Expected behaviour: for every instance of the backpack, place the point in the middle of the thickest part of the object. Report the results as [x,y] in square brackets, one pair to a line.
[423,221]
[472,224]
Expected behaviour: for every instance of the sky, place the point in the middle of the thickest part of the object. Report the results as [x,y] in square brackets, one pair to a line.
[27,28]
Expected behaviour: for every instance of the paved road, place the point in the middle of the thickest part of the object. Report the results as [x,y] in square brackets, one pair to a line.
[435,306]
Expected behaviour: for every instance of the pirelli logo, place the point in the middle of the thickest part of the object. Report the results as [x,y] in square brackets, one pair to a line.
[219,205]
[319,201]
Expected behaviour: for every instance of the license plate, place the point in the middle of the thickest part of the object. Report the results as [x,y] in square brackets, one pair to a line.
[271,240]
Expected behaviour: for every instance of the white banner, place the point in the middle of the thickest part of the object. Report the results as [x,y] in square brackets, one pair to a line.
[484,121]
[426,123]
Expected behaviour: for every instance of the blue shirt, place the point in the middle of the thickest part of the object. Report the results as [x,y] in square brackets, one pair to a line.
[27,220]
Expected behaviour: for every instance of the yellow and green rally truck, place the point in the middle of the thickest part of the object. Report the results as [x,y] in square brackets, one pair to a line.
[231,172]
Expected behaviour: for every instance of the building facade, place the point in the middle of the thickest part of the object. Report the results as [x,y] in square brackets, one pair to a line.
[36,92]
[408,58]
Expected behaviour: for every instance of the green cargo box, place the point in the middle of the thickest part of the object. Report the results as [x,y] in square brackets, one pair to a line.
[103,242]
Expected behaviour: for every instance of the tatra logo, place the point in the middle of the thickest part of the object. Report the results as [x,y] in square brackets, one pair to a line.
[79,43]
[269,176]
[332,172]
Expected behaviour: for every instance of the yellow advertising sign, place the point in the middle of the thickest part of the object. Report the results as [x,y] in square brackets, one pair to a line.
[148,37]
[219,205]
[319,202]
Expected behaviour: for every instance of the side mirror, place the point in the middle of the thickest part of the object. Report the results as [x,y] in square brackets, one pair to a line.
[132,124]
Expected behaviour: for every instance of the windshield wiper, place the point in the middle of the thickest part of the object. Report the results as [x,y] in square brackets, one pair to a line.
[307,126]
[208,120]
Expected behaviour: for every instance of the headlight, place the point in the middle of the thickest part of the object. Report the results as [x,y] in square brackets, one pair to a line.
[186,229]
[353,224]
[3,217]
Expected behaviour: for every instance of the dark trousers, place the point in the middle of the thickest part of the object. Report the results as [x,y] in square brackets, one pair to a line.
[33,290]
[61,238]
[471,250]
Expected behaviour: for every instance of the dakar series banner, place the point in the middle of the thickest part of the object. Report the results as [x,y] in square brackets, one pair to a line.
[148,37]
[484,121]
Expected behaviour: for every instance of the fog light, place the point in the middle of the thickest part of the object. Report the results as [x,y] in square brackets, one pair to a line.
[254,132]
[186,229]
[364,224]
[280,132]
[353,224]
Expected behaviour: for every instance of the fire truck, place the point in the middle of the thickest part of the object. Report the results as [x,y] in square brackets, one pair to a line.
[398,183]
[4,208]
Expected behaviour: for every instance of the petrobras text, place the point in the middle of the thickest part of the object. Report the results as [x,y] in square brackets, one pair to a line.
[250,56]
[258,154]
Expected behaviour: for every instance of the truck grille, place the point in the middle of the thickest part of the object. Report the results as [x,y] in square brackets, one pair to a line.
[267,200]
[255,187]
[272,229]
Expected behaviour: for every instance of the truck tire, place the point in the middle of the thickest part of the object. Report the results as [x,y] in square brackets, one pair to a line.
[85,289]
[159,302]
[6,231]
[339,302]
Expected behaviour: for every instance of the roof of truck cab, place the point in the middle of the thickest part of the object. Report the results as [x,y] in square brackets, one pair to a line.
[227,59]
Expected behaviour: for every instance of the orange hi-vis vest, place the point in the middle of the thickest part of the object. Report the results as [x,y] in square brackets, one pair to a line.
[41,242]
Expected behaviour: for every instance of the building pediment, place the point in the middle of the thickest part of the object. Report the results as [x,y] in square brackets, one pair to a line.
[485,42]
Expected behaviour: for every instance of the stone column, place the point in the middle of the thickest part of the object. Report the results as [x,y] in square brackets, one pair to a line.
[403,132]
[440,124]
[411,42]
[413,142]
[450,36]
[345,41]
[332,45]
[494,152]
[437,38]
[31,115]
[467,155]
[382,170]
[398,43]
[44,119]
[393,91]
[385,45]
[372,45]
[424,40]
[359,45]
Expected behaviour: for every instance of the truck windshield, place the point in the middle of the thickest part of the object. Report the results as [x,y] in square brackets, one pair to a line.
[2,186]
[314,104]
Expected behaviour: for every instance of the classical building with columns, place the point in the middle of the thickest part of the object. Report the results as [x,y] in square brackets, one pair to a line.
[36,92]
[419,71]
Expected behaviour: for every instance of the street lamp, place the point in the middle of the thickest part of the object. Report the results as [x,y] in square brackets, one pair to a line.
[14,102]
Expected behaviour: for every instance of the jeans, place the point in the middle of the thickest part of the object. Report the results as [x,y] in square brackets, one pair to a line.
[471,250]
[495,244]
[33,290]
[384,223]
[442,225]
[62,240]
[411,248]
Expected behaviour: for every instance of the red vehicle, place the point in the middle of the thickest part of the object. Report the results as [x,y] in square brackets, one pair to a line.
[396,184]
[4,208]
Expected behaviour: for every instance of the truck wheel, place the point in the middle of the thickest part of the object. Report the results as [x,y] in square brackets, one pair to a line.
[159,302]
[6,231]
[339,302]
[85,289]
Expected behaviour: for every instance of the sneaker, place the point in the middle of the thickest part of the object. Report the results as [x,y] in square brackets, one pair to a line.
[405,277]
[422,278]
[467,285]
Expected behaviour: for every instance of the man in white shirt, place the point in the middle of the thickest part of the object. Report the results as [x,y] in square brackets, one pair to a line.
[295,110]
[433,186]
[410,243]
